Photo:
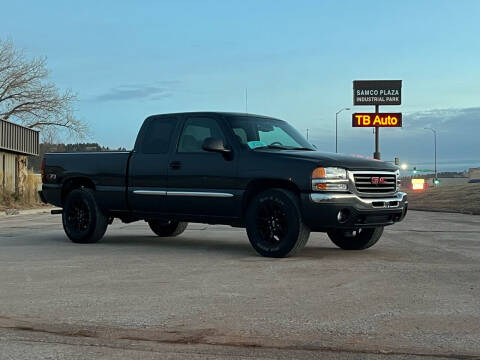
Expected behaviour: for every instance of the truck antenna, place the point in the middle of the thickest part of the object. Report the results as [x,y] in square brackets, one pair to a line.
[246,100]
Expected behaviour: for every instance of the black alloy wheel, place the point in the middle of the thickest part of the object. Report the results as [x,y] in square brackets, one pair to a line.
[78,215]
[82,219]
[274,223]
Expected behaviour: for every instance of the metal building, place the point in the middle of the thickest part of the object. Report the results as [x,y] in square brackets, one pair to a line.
[16,143]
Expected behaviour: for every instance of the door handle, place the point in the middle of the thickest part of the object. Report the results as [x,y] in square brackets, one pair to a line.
[175,165]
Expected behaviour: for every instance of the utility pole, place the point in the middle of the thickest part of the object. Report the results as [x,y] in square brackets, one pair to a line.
[435,150]
[307,133]
[336,127]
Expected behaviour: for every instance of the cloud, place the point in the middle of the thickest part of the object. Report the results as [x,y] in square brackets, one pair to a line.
[137,92]
[444,120]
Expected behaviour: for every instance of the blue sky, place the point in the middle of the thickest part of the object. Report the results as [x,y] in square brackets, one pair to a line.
[127,60]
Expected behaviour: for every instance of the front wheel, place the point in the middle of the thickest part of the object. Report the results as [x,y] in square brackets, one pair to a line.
[167,228]
[274,224]
[358,239]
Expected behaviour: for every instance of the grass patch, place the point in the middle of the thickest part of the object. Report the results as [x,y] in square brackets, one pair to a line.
[459,198]
[27,199]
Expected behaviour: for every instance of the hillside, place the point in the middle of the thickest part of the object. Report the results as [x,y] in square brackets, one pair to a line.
[462,198]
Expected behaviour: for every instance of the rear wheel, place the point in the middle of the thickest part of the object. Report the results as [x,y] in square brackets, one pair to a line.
[82,219]
[167,228]
[357,239]
[274,224]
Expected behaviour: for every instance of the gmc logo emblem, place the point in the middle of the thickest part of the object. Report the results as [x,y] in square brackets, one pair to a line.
[376,180]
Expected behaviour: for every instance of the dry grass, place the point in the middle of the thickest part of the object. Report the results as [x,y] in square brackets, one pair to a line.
[27,200]
[459,198]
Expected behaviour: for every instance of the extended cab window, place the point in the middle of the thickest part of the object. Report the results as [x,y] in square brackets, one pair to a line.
[157,136]
[195,131]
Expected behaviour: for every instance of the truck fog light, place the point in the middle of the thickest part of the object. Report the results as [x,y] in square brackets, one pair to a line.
[343,216]
[330,186]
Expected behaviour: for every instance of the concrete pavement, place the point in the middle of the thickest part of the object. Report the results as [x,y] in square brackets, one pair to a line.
[207,294]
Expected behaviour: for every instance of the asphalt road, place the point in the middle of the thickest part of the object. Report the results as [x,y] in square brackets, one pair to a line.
[207,294]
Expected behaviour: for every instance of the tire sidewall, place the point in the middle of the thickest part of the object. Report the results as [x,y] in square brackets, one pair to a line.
[288,204]
[87,198]
[172,228]
[367,239]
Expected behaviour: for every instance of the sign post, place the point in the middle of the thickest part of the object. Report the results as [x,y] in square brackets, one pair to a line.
[376,154]
[377,92]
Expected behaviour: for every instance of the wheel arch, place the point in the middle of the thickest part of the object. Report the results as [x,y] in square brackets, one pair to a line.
[257,186]
[75,183]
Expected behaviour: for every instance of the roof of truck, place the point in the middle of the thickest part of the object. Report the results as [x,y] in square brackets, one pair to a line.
[213,112]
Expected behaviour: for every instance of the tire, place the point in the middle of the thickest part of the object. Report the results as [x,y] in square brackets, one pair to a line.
[274,224]
[167,228]
[83,221]
[357,240]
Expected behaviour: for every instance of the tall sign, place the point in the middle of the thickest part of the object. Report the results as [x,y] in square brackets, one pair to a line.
[377,92]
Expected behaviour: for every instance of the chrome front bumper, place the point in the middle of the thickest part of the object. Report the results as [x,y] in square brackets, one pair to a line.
[397,201]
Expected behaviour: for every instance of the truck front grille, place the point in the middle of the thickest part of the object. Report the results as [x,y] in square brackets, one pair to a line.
[375,183]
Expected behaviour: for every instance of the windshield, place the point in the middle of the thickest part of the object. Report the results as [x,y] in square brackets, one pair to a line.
[258,132]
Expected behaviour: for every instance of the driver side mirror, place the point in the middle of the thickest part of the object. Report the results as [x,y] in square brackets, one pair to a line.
[215,145]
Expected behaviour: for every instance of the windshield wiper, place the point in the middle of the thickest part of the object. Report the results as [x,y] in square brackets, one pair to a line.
[302,148]
[272,147]
[279,147]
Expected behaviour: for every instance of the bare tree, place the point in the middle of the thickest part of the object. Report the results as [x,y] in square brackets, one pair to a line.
[27,97]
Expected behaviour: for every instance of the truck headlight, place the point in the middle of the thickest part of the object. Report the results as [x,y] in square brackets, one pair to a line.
[329,179]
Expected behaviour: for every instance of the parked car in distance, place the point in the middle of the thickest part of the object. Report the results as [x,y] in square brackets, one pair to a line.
[243,170]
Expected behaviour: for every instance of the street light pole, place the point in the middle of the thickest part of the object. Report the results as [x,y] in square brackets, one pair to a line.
[336,127]
[435,148]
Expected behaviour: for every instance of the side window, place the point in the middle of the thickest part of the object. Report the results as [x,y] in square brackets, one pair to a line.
[241,135]
[195,131]
[158,135]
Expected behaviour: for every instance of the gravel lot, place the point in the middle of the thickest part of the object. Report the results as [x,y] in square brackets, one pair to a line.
[207,294]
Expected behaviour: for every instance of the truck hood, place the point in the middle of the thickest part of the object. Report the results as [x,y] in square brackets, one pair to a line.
[337,160]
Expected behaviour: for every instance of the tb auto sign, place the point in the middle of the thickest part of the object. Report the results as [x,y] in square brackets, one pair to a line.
[377,119]
[377,92]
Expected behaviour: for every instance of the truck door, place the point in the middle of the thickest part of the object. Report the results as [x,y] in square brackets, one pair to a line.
[148,166]
[202,183]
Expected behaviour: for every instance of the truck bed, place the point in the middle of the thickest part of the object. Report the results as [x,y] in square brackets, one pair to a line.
[107,170]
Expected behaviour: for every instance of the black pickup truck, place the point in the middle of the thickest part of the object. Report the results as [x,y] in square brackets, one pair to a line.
[242,170]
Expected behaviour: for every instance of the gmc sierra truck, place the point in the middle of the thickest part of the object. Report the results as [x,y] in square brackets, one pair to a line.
[242,170]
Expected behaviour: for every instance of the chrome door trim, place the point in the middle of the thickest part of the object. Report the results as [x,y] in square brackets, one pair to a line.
[150,192]
[199,194]
[183,193]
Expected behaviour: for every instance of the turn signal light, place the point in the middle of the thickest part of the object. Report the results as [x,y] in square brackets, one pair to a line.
[321,186]
[318,173]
